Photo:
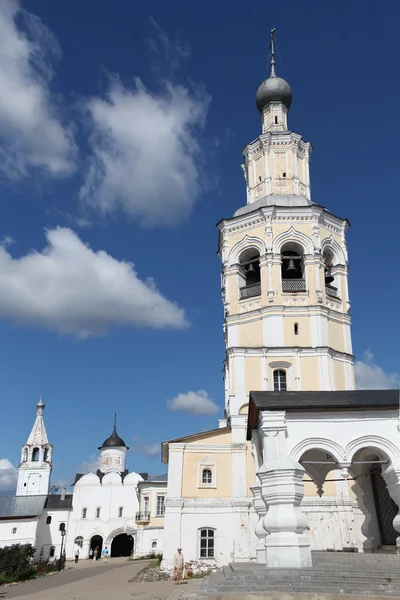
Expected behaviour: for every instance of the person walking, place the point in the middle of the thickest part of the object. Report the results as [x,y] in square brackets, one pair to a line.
[105,555]
[178,566]
[91,553]
[76,555]
[96,553]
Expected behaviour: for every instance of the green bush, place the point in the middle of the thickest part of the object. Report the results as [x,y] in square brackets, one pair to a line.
[16,563]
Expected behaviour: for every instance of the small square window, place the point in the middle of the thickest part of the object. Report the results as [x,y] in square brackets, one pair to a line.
[14,530]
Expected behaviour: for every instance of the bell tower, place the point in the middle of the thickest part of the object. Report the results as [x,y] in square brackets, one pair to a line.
[35,466]
[284,269]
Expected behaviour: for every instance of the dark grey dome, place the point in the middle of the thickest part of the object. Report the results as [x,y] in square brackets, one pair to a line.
[113,441]
[274,89]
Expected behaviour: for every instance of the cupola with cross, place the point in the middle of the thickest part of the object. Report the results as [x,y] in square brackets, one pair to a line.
[35,466]
[284,269]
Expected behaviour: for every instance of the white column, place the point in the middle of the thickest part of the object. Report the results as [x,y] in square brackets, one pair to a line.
[173,505]
[282,489]
[392,479]
[261,533]
[239,452]
[175,470]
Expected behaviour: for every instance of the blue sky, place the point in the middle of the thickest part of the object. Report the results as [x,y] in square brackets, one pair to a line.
[121,130]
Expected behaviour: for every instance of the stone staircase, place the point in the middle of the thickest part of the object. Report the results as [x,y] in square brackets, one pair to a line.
[332,573]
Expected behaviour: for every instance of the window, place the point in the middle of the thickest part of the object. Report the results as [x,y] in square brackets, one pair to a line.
[79,541]
[35,455]
[146,505]
[52,552]
[292,268]
[14,530]
[283,174]
[120,511]
[296,329]
[276,120]
[206,476]
[207,543]
[160,506]
[154,544]
[46,454]
[62,527]
[48,520]
[98,513]
[249,274]
[279,381]
[84,512]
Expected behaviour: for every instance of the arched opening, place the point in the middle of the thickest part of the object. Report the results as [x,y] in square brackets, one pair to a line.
[96,546]
[46,455]
[249,274]
[373,499]
[207,476]
[330,288]
[122,545]
[79,541]
[280,384]
[292,268]
[35,455]
[25,455]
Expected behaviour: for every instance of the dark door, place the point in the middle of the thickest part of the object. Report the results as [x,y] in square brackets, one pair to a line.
[386,509]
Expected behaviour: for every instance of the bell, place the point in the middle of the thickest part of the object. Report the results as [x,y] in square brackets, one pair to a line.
[328,276]
[250,268]
[251,275]
[291,266]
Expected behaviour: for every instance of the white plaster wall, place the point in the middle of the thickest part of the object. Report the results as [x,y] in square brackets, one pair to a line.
[49,535]
[108,495]
[145,538]
[26,532]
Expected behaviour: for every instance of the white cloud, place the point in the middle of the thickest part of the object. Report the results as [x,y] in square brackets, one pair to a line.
[91,465]
[151,449]
[69,288]
[31,133]
[196,403]
[369,376]
[145,152]
[8,476]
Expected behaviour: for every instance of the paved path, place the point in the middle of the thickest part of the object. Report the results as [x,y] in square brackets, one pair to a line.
[97,581]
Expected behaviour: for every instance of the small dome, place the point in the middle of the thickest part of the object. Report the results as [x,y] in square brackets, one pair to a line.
[273,89]
[113,441]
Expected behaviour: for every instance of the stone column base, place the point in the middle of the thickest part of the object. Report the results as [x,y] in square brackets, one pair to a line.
[288,551]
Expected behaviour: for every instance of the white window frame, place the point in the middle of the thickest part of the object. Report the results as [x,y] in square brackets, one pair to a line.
[280,379]
[214,537]
[207,464]
[158,514]
[281,365]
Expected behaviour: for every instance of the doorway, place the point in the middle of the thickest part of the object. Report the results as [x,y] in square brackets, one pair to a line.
[386,508]
[96,543]
[122,545]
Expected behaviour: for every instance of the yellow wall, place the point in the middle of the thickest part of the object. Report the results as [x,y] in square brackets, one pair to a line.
[309,373]
[310,489]
[303,338]
[191,476]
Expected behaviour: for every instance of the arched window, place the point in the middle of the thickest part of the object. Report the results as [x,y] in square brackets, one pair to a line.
[84,513]
[98,511]
[279,380]
[52,551]
[25,455]
[46,454]
[35,455]
[292,268]
[79,541]
[206,543]
[206,476]
[62,527]
[48,520]
[249,274]
[120,511]
[154,544]
[330,289]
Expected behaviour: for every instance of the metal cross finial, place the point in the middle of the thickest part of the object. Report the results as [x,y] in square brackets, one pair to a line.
[272,48]
[115,420]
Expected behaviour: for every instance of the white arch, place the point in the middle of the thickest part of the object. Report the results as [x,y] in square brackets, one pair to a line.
[244,244]
[113,534]
[329,446]
[292,235]
[338,251]
[373,441]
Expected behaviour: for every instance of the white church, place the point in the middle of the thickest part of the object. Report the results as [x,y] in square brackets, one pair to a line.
[103,510]
[301,460]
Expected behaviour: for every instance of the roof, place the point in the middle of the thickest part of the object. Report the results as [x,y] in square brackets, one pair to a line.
[54,502]
[319,402]
[114,441]
[164,445]
[156,479]
[17,507]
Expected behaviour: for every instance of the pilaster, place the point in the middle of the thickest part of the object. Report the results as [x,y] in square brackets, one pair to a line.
[261,533]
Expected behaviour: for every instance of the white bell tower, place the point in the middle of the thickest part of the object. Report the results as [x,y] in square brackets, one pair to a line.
[35,466]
